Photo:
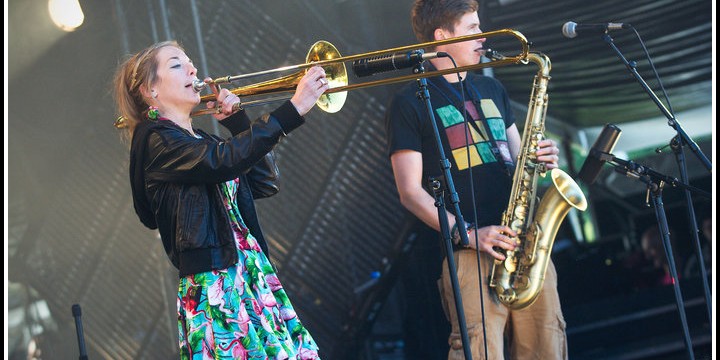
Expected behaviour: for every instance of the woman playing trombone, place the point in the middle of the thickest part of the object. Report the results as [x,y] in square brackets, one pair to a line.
[198,190]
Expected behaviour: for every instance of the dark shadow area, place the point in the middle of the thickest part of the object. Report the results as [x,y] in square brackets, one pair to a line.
[618,304]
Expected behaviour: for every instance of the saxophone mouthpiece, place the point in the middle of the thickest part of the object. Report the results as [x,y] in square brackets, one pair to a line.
[494,55]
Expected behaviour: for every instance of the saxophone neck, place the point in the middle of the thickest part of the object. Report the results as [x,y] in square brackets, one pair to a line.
[542,61]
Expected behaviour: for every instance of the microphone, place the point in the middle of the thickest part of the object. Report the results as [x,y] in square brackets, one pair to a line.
[389,62]
[599,153]
[78,327]
[571,29]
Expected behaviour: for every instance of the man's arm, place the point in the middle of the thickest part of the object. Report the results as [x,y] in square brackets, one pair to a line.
[408,168]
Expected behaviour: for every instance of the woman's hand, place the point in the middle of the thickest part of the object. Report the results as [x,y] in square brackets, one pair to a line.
[224,99]
[311,86]
[548,153]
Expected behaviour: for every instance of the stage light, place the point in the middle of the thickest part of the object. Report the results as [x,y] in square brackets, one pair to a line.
[66,14]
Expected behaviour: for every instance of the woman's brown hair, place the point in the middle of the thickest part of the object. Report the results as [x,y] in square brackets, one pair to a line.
[137,71]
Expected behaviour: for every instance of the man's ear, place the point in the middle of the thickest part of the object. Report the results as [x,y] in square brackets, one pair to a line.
[439,34]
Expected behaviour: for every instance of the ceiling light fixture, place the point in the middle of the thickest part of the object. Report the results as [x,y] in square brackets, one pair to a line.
[66,14]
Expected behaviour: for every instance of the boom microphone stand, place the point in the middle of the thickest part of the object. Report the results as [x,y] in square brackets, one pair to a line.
[655,183]
[676,144]
[672,122]
[424,95]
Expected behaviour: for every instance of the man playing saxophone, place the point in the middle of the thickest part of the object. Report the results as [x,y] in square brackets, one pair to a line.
[481,141]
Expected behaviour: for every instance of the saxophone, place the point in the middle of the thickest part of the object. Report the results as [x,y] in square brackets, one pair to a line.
[518,279]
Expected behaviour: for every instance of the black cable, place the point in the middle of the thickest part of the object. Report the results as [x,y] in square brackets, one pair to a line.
[652,66]
[474,205]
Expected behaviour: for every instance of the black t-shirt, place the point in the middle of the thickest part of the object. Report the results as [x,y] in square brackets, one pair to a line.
[488,116]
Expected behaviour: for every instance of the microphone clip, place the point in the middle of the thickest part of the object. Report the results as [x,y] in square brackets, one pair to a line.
[601,155]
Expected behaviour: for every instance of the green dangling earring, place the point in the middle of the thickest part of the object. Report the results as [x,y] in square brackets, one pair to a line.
[153,113]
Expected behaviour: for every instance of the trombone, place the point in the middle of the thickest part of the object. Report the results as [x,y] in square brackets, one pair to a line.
[324,54]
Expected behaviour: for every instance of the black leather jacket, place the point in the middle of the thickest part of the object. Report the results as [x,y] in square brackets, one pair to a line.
[174,178]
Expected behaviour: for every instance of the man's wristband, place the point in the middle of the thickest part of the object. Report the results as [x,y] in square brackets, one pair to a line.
[455,234]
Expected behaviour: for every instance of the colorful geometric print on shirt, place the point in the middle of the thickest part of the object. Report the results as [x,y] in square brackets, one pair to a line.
[485,141]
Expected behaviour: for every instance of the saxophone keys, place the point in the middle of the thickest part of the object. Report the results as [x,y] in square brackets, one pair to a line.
[509,266]
[519,222]
[508,296]
[510,262]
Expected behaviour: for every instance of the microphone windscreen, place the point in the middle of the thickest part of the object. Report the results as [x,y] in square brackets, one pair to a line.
[568,29]
[605,143]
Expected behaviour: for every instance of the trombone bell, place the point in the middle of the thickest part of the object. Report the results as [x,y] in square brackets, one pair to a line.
[336,74]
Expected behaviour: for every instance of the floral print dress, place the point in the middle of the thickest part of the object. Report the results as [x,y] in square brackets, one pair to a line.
[241,312]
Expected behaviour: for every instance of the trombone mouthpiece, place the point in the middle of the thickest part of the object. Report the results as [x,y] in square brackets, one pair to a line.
[198,85]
